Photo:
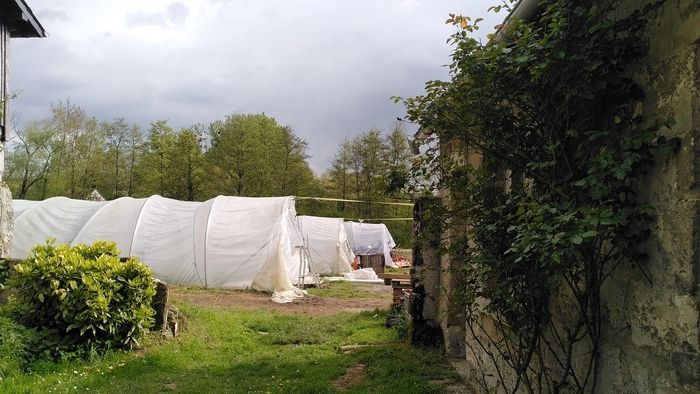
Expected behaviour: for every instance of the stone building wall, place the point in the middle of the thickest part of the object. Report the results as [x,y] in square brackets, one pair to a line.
[427,321]
[654,309]
[651,312]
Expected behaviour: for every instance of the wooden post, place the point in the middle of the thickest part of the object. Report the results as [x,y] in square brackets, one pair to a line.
[4,81]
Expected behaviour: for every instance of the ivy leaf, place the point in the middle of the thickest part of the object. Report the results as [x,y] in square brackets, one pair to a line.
[589,234]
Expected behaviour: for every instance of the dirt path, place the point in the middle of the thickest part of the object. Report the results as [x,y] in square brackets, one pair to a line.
[309,305]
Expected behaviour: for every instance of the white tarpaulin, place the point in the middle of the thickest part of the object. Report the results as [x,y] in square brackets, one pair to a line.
[225,242]
[327,244]
[362,274]
[371,238]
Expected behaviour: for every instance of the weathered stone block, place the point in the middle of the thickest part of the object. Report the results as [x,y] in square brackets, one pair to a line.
[454,341]
[160,306]
[6,220]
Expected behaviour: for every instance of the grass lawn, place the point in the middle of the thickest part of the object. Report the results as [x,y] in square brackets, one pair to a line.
[246,348]
[402,270]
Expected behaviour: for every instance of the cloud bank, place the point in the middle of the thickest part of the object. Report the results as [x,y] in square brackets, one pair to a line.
[327,68]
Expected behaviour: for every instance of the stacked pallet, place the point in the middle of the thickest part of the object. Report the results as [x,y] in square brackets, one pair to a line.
[401,291]
[400,285]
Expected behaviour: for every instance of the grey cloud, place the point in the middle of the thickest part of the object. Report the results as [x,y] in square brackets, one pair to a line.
[174,15]
[326,68]
[50,14]
[178,13]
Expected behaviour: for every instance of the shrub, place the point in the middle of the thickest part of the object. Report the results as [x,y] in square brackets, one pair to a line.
[4,273]
[83,298]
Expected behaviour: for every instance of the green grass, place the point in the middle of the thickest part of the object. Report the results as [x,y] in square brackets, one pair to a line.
[249,351]
[402,270]
[351,290]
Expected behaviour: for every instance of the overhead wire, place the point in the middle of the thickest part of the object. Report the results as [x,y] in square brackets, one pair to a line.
[403,204]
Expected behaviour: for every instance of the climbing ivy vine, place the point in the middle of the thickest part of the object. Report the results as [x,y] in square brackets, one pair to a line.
[537,224]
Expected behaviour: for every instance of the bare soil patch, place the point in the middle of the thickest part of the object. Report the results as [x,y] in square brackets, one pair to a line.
[353,376]
[309,305]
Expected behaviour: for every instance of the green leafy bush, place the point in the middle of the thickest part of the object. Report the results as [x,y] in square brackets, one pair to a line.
[83,299]
[4,273]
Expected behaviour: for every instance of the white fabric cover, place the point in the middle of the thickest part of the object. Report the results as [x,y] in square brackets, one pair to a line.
[225,242]
[371,238]
[19,206]
[362,274]
[58,217]
[327,243]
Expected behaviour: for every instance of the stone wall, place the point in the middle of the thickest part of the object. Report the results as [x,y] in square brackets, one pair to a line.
[6,217]
[425,278]
[655,312]
[651,312]
[437,319]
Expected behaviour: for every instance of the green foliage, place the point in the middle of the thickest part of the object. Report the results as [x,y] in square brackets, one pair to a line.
[71,154]
[369,167]
[172,163]
[15,344]
[29,160]
[227,349]
[4,273]
[400,321]
[252,155]
[555,115]
[82,299]
[116,178]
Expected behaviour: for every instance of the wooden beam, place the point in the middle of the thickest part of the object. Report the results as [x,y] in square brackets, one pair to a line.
[4,80]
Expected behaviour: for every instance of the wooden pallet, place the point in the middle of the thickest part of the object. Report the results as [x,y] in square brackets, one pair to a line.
[401,289]
[389,276]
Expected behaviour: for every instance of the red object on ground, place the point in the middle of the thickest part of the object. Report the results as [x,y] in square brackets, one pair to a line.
[398,260]
[355,263]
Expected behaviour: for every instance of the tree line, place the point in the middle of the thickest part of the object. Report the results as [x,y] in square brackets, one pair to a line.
[72,153]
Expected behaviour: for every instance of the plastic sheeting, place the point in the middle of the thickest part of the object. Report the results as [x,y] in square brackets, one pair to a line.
[327,243]
[362,274]
[225,242]
[371,238]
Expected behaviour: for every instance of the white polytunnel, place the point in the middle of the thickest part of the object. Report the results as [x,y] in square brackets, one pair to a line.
[58,217]
[224,242]
[371,239]
[327,243]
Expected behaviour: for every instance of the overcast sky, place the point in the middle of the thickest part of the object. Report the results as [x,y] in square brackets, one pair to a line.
[325,67]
